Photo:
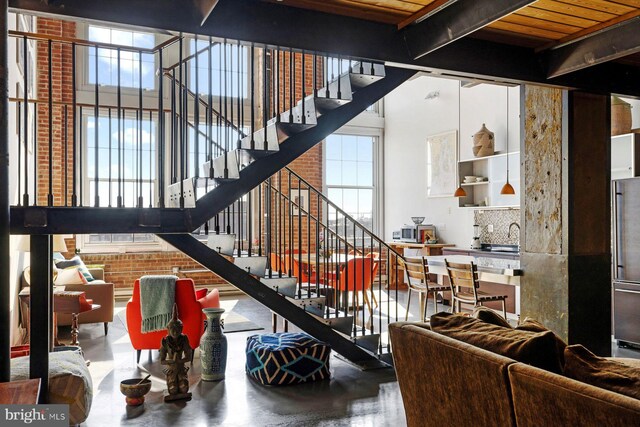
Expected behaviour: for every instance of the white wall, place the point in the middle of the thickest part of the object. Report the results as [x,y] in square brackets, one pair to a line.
[410,119]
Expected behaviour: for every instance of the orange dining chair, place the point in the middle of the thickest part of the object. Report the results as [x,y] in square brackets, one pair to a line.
[356,276]
[277,264]
[300,269]
[375,256]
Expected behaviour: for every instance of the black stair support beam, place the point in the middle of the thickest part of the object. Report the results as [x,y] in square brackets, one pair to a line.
[296,145]
[78,220]
[270,23]
[612,43]
[40,313]
[266,296]
[5,259]
[456,21]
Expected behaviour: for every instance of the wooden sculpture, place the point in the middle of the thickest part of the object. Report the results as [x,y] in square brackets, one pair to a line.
[175,353]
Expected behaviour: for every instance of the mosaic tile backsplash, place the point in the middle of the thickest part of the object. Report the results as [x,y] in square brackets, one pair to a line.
[500,219]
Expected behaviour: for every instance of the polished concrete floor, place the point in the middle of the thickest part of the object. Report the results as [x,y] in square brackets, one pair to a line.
[350,397]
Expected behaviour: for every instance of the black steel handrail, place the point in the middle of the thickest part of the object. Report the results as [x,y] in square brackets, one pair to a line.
[342,212]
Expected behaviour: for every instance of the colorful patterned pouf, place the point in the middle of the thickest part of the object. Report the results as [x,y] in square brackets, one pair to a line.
[287,358]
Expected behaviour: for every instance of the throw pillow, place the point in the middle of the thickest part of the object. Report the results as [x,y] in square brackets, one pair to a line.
[487,315]
[582,365]
[70,276]
[76,262]
[531,325]
[536,349]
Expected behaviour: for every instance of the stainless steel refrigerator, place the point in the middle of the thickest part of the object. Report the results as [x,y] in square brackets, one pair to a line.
[626,260]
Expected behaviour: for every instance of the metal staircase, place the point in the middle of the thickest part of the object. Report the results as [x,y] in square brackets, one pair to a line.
[214,166]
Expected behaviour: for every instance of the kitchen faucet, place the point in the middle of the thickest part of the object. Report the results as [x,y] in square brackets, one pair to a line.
[512,224]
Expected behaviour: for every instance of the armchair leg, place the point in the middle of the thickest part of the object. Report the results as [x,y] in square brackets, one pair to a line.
[138,353]
[106,327]
[406,316]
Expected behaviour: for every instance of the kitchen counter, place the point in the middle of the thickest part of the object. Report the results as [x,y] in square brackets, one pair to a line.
[485,263]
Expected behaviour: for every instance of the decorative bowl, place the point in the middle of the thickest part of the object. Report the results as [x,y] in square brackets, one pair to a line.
[417,219]
[133,391]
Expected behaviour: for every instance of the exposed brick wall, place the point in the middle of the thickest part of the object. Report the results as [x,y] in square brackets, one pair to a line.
[123,269]
[61,91]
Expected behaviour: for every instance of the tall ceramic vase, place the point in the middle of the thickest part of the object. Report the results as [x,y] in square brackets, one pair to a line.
[213,347]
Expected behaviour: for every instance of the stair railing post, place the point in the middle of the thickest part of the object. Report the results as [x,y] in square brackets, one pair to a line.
[96,134]
[120,130]
[253,95]
[50,117]
[25,85]
[5,201]
[160,134]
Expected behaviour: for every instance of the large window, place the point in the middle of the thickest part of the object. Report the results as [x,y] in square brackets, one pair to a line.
[230,84]
[350,175]
[136,166]
[130,62]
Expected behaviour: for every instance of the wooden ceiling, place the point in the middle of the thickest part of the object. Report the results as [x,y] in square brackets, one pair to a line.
[540,24]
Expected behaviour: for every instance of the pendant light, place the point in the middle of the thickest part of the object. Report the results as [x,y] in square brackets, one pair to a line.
[460,192]
[507,189]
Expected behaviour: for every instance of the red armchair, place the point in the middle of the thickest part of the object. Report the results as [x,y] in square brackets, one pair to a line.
[190,304]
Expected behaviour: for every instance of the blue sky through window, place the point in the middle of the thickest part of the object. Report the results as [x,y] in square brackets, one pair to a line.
[130,62]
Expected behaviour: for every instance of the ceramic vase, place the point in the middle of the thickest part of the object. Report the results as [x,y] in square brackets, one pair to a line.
[213,346]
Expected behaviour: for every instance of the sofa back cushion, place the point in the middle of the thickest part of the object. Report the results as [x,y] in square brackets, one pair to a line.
[541,398]
[447,382]
[582,365]
[537,349]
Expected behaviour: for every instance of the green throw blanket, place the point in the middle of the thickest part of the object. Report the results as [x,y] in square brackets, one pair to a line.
[157,295]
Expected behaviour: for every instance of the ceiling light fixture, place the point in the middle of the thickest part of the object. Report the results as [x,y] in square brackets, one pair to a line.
[507,189]
[460,192]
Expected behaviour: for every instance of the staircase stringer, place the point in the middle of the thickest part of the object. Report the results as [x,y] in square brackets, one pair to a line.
[257,172]
[215,262]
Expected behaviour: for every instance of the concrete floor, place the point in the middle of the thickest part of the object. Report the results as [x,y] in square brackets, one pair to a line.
[351,397]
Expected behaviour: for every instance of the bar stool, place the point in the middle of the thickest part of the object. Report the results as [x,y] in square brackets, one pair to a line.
[464,284]
[418,280]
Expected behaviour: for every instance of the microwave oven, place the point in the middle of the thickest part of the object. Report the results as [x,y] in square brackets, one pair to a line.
[417,233]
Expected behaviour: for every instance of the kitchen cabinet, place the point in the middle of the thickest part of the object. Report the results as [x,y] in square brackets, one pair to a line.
[625,156]
[480,253]
[494,169]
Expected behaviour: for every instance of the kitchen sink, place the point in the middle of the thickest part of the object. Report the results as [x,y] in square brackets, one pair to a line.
[505,249]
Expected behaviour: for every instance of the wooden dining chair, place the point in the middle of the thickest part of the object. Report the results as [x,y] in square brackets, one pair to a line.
[417,270]
[464,284]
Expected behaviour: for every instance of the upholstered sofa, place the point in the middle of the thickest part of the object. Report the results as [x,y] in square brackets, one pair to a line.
[101,293]
[444,381]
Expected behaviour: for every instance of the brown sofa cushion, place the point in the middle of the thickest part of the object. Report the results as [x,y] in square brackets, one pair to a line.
[487,315]
[444,381]
[582,365]
[531,325]
[534,348]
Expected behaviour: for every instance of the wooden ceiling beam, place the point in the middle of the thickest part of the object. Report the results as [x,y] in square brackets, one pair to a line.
[455,22]
[435,6]
[612,43]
